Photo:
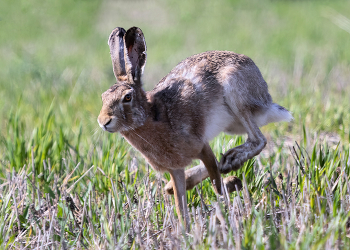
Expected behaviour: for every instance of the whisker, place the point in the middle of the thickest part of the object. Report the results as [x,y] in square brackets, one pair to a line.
[96,131]
[96,136]
[145,140]
[139,135]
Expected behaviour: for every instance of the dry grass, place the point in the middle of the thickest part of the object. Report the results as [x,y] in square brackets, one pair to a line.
[291,210]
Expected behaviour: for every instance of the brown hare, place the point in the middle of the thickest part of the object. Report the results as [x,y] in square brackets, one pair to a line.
[172,124]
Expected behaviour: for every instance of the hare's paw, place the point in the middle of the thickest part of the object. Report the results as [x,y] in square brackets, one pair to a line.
[232,160]
[169,188]
[232,183]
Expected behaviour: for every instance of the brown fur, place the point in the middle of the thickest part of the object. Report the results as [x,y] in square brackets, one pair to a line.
[172,124]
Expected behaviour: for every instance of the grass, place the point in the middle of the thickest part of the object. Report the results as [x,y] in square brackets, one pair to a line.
[66,184]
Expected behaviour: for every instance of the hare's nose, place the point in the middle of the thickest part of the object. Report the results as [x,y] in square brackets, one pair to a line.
[104,123]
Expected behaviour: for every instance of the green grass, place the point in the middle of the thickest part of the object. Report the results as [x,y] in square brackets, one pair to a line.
[54,66]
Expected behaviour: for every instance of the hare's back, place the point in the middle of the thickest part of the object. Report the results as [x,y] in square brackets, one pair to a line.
[207,66]
[215,73]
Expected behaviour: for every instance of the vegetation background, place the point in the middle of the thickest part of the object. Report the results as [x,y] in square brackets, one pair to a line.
[66,184]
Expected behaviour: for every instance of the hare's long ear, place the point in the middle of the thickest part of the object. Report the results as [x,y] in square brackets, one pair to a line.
[116,47]
[135,53]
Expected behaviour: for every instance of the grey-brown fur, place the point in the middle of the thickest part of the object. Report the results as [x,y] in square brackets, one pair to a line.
[172,124]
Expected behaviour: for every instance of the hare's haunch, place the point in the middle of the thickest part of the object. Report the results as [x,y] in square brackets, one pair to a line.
[172,124]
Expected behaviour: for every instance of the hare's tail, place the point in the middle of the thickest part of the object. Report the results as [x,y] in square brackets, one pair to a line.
[275,113]
[279,113]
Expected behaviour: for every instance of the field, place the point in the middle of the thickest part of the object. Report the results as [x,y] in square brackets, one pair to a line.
[64,183]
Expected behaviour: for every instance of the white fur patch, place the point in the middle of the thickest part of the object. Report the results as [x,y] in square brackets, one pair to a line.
[274,114]
[218,120]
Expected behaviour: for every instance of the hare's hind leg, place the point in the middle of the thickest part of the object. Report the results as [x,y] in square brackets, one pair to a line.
[178,178]
[234,158]
[193,176]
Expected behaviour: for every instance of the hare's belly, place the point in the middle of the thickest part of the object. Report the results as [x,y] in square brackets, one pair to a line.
[220,119]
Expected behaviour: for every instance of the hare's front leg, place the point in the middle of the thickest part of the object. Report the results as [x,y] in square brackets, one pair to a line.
[198,173]
[234,158]
[178,178]
[208,158]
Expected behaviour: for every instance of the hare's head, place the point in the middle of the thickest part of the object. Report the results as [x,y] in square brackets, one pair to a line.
[123,104]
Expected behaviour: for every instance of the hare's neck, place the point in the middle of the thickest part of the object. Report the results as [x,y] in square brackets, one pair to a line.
[150,139]
[143,135]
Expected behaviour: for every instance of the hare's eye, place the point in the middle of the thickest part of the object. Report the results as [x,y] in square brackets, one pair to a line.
[127,98]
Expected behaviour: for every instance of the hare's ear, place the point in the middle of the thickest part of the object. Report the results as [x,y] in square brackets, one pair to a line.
[116,47]
[135,53]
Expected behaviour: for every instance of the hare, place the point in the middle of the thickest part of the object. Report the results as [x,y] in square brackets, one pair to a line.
[172,124]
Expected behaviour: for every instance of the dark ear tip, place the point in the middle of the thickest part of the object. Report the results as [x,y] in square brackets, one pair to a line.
[118,31]
[135,30]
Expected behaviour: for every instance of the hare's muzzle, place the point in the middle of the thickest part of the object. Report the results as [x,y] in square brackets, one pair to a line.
[105,122]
